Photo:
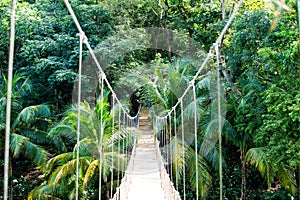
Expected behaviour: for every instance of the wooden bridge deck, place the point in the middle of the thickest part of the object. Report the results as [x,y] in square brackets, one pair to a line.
[145,175]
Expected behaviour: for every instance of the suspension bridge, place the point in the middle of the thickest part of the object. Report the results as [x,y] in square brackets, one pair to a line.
[150,172]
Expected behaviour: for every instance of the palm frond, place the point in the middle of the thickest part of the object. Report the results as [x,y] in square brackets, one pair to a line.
[21,145]
[126,141]
[36,136]
[44,192]
[64,130]
[16,143]
[91,170]
[88,147]
[58,143]
[177,83]
[210,137]
[189,109]
[286,176]
[68,169]
[2,108]
[269,169]
[204,82]
[177,151]
[204,177]
[257,158]
[213,158]
[2,126]
[24,88]
[30,113]
[36,153]
[59,160]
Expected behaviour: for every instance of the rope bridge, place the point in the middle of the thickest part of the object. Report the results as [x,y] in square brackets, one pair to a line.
[146,143]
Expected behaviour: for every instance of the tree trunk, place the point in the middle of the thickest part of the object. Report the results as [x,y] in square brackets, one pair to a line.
[220,45]
[224,72]
[243,189]
[163,15]
[223,9]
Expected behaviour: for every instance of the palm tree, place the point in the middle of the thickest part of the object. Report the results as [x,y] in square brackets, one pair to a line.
[24,121]
[60,173]
[243,136]
[25,128]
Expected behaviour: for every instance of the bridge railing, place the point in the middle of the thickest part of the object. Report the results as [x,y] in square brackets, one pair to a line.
[168,187]
[122,191]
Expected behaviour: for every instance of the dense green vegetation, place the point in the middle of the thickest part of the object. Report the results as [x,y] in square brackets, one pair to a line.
[260,72]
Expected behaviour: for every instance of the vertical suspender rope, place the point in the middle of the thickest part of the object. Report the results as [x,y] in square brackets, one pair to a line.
[166,138]
[154,125]
[8,97]
[160,122]
[171,149]
[119,138]
[196,140]
[112,146]
[162,132]
[219,123]
[183,149]
[176,149]
[127,138]
[81,37]
[101,137]
[156,129]
[123,146]
[124,151]
[170,153]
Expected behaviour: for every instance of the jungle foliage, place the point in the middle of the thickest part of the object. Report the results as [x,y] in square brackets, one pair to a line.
[260,54]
